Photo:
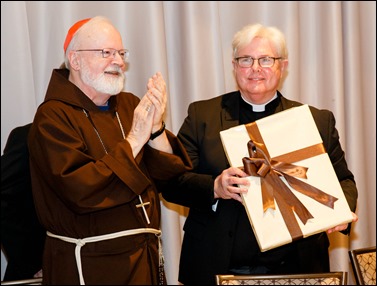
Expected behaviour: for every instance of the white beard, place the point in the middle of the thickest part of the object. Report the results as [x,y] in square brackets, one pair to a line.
[103,83]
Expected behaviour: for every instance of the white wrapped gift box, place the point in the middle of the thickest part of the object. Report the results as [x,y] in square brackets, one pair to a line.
[292,131]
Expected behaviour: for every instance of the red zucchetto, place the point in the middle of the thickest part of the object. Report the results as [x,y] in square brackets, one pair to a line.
[72,31]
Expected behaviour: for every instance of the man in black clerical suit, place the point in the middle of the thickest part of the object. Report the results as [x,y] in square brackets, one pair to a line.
[22,237]
[218,236]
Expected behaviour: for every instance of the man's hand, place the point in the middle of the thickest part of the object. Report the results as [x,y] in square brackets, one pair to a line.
[343,226]
[230,184]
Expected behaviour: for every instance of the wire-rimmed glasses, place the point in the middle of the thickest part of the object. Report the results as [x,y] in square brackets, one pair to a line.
[264,62]
[107,52]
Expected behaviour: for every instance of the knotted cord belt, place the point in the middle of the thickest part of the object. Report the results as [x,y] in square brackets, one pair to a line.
[82,241]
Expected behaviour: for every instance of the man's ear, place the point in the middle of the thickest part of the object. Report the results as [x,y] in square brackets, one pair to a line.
[284,66]
[73,60]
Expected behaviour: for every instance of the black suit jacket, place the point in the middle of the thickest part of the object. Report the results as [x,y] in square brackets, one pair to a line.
[22,236]
[208,239]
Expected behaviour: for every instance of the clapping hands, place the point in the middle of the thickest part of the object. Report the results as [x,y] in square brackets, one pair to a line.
[148,115]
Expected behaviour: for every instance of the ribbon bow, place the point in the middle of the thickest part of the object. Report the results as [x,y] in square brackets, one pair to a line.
[273,188]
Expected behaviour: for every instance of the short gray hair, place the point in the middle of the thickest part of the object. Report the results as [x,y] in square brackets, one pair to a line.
[249,32]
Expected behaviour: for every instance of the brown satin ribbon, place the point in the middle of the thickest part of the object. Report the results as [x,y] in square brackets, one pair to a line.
[269,169]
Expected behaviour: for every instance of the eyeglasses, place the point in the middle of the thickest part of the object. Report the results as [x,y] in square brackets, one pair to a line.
[247,62]
[124,53]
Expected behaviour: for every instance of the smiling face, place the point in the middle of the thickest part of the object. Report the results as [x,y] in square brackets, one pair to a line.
[97,76]
[258,85]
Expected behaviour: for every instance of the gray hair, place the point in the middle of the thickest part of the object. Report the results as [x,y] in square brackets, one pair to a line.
[249,32]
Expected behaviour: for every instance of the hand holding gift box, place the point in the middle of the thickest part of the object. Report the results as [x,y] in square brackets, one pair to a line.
[294,191]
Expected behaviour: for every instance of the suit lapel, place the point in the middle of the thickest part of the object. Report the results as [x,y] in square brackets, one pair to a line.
[230,110]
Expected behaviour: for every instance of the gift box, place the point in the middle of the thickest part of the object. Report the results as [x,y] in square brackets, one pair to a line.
[294,191]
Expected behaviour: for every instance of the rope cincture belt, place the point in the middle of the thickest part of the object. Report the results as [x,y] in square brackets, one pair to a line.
[82,241]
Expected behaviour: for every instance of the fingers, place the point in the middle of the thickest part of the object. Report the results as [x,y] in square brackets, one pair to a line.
[338,228]
[157,89]
[148,113]
[231,183]
[154,101]
[158,97]
[341,227]
[157,82]
[153,104]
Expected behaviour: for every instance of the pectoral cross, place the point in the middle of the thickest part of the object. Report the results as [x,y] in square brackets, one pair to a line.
[142,205]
